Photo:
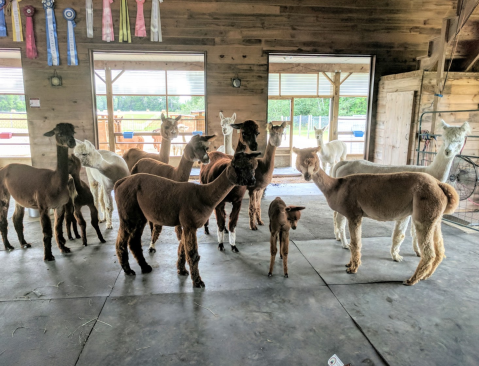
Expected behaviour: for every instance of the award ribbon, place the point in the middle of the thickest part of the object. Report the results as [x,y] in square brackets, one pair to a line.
[155,35]
[89,18]
[125,35]
[107,22]
[16,22]
[52,41]
[3,26]
[140,30]
[69,14]
[29,11]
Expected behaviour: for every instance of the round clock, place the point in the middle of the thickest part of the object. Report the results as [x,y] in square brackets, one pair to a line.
[236,82]
[56,81]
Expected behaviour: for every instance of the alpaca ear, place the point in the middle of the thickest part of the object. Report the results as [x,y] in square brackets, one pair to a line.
[283,125]
[221,115]
[296,150]
[444,125]
[254,154]
[233,117]
[466,128]
[316,128]
[295,208]
[236,126]
[163,118]
[207,138]
[49,133]
[177,118]
[269,125]
[78,142]
[89,144]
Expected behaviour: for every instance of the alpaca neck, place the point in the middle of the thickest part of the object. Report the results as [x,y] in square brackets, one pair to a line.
[268,158]
[323,146]
[77,181]
[213,193]
[229,144]
[441,165]
[240,147]
[183,170]
[324,182]
[62,164]
[165,150]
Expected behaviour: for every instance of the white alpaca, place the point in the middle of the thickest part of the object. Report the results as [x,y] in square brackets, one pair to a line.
[104,168]
[454,139]
[331,152]
[226,123]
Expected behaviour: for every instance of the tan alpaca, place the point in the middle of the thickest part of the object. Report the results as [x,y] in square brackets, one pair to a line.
[282,218]
[37,188]
[169,131]
[195,150]
[386,197]
[264,174]
[145,197]
[136,142]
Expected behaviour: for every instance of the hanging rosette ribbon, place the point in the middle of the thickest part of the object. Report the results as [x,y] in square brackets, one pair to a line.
[29,11]
[107,22]
[89,18]
[140,30]
[52,41]
[69,14]
[3,26]
[16,21]
[125,35]
[155,35]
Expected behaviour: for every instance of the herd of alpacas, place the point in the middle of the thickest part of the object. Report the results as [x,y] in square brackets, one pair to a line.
[149,190]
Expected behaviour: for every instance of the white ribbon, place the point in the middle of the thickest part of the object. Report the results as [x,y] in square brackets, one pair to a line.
[17,22]
[71,44]
[156,35]
[89,18]
[52,37]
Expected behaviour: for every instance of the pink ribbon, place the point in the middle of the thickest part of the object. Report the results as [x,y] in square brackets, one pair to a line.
[107,22]
[31,50]
[140,30]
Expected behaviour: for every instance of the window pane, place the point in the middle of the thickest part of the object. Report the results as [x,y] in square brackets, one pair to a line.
[355,85]
[140,82]
[11,81]
[273,84]
[299,84]
[325,86]
[186,82]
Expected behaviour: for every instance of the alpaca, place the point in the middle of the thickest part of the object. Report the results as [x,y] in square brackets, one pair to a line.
[169,131]
[195,150]
[330,152]
[369,195]
[281,219]
[454,140]
[177,149]
[80,195]
[264,174]
[37,188]
[226,123]
[218,163]
[141,198]
[157,140]
[103,169]
[136,141]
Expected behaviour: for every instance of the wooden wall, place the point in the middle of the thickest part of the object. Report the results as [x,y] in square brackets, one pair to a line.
[236,36]
[460,93]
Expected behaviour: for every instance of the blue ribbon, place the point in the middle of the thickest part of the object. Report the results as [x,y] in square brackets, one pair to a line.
[52,41]
[3,27]
[69,14]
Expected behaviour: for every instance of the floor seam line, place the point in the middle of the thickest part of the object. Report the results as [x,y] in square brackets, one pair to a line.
[347,312]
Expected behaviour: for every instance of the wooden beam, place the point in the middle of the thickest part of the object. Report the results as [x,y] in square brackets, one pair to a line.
[10,62]
[150,65]
[333,124]
[109,105]
[346,78]
[327,77]
[307,68]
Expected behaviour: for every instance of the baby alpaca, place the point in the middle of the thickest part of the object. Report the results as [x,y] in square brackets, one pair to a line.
[329,152]
[281,219]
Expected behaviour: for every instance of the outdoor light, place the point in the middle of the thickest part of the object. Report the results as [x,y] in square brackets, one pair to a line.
[56,80]
[236,82]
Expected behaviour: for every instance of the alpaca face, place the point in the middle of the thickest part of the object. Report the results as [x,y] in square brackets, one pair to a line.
[74,165]
[248,133]
[318,133]
[169,127]
[307,161]
[276,133]
[226,123]
[86,152]
[293,214]
[63,134]
[201,145]
[454,138]
[244,166]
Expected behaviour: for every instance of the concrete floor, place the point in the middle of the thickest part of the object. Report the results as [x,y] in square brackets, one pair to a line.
[82,310]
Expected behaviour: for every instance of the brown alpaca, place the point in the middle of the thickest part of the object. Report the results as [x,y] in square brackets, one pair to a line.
[218,163]
[195,150]
[157,140]
[37,188]
[281,219]
[144,197]
[80,195]
[169,131]
[386,197]
[264,174]
[136,141]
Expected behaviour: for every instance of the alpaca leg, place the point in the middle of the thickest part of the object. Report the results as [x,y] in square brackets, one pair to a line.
[94,222]
[355,233]
[225,215]
[4,203]
[69,219]
[252,210]
[108,200]
[207,223]
[101,202]
[425,236]
[273,249]
[122,248]
[18,224]
[134,243]
[221,222]
[180,264]
[191,249]
[60,239]
[439,249]
[284,248]
[341,223]
[94,188]
[259,195]
[154,237]
[415,245]
[232,224]
[398,237]
[82,223]
[47,234]
[336,228]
